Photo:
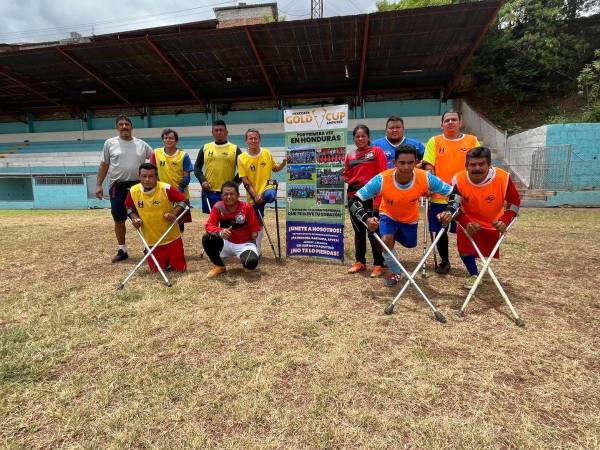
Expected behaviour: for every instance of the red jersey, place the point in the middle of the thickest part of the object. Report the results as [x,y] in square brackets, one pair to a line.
[243,222]
[361,166]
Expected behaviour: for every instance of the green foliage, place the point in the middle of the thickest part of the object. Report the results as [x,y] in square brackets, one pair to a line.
[385,5]
[529,50]
[588,82]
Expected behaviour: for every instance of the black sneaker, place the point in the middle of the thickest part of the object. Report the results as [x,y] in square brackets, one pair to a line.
[443,268]
[120,256]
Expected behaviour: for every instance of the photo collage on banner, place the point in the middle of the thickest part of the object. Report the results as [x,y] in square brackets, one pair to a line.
[316,148]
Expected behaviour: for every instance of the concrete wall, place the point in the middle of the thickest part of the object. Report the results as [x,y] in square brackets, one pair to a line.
[487,133]
[16,190]
[585,141]
[520,148]
[67,196]
[370,110]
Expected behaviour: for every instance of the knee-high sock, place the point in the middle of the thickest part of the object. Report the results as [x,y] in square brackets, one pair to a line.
[212,246]
[442,247]
[470,264]
[391,263]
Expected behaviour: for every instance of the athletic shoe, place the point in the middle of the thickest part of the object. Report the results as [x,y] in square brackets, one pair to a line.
[470,282]
[392,279]
[443,268]
[377,272]
[216,271]
[120,256]
[357,267]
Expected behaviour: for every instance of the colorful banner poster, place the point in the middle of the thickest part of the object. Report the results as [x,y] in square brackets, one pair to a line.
[316,148]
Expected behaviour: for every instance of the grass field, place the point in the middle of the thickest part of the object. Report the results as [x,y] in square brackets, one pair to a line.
[297,355]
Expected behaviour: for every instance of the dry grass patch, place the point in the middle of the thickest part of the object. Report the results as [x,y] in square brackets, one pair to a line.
[295,355]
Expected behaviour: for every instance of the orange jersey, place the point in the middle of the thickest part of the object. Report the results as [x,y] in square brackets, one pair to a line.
[450,157]
[483,203]
[402,205]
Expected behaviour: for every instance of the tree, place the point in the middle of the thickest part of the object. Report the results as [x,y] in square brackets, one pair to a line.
[589,85]
[385,5]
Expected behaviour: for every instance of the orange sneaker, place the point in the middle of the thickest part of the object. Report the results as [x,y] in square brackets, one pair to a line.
[377,271]
[216,271]
[357,267]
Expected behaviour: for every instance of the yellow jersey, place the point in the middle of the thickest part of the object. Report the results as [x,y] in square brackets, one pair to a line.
[258,169]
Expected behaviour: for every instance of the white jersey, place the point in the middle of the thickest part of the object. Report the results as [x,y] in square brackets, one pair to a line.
[124,158]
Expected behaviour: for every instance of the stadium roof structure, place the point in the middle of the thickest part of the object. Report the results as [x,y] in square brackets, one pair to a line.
[413,50]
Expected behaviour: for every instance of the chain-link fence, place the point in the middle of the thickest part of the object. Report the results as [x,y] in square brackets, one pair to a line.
[554,167]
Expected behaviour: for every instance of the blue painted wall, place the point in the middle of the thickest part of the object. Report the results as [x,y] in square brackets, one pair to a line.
[60,196]
[585,140]
[42,126]
[404,108]
[16,190]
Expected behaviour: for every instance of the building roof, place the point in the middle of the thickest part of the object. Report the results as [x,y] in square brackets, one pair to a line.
[368,54]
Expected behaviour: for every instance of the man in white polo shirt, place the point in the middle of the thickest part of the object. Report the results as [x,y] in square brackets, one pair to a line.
[121,158]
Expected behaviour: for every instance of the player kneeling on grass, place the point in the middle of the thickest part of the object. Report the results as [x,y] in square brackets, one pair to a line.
[150,206]
[231,230]
[400,189]
[484,190]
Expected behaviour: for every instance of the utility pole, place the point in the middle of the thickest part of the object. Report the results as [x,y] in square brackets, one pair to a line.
[316,9]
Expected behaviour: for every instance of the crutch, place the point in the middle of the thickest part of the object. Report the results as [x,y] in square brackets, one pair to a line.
[147,247]
[262,221]
[389,309]
[149,252]
[209,211]
[425,226]
[438,315]
[277,219]
[486,267]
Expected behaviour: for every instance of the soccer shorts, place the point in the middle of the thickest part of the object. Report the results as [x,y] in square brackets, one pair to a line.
[169,254]
[484,238]
[404,233]
[118,193]
[231,249]
[434,224]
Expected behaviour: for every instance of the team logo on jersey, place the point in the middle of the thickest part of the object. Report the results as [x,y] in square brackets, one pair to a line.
[253,168]
[155,202]
[442,150]
[263,164]
[369,156]
[391,202]
[240,218]
[140,203]
[464,149]
[163,163]
[490,198]
[210,153]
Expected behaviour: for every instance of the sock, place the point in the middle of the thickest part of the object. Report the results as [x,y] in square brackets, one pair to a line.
[391,264]
[123,247]
[470,264]
[442,247]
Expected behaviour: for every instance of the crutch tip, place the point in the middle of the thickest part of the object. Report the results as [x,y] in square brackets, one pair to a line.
[460,313]
[120,286]
[169,284]
[389,309]
[439,317]
[520,322]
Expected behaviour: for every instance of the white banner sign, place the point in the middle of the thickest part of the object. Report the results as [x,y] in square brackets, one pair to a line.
[324,118]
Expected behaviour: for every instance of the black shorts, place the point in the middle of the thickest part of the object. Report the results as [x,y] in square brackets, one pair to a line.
[118,194]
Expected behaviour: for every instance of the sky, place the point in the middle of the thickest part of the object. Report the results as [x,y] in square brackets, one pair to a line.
[49,20]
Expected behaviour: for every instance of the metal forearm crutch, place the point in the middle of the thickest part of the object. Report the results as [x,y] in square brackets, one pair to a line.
[209,211]
[486,267]
[277,219]
[390,308]
[262,221]
[149,253]
[147,247]
[425,225]
[438,315]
